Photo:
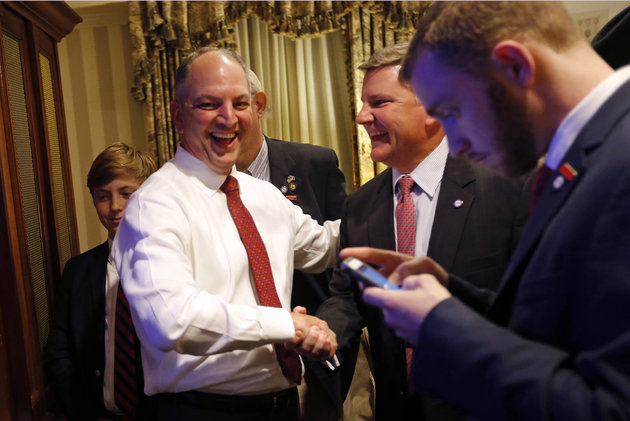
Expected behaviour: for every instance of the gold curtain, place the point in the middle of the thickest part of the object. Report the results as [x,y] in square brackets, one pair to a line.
[371,27]
[163,32]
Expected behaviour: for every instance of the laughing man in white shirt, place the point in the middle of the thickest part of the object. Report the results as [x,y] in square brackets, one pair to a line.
[207,343]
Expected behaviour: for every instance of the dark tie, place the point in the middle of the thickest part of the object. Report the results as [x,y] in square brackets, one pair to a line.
[542,176]
[261,270]
[126,355]
[406,230]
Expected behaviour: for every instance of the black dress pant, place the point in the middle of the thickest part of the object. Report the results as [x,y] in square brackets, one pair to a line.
[199,406]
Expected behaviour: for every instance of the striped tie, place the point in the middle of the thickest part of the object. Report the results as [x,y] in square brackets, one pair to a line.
[261,270]
[126,357]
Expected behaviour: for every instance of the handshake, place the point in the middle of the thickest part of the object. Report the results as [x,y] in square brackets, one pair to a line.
[313,338]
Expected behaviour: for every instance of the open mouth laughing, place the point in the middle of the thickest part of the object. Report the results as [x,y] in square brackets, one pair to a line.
[378,136]
[224,139]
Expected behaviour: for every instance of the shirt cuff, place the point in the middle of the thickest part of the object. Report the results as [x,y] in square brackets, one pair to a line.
[277,324]
[332,363]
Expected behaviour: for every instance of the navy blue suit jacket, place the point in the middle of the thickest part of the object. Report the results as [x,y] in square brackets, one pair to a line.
[74,357]
[557,342]
[475,239]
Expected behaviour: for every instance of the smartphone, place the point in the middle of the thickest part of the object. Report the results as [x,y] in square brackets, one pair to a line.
[367,275]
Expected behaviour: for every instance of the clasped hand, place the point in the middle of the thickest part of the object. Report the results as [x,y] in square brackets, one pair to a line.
[313,338]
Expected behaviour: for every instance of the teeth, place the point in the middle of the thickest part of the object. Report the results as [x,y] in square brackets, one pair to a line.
[377,134]
[224,135]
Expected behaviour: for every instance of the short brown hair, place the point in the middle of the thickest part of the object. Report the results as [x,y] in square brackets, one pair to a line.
[388,56]
[119,159]
[182,71]
[462,34]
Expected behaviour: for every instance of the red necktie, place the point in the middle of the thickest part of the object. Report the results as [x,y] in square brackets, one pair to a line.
[261,270]
[542,176]
[126,354]
[406,231]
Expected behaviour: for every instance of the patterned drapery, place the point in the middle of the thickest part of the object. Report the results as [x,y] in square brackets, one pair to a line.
[163,32]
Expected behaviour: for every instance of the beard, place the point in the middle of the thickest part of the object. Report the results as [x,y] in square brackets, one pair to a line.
[514,137]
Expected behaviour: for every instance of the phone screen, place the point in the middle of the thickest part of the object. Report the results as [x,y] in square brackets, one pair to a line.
[366,274]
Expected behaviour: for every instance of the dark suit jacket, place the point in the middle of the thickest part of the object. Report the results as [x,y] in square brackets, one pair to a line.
[320,190]
[475,240]
[74,358]
[557,345]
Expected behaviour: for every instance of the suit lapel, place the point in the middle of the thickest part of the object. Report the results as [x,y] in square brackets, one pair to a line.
[553,197]
[453,205]
[96,279]
[381,217]
[281,164]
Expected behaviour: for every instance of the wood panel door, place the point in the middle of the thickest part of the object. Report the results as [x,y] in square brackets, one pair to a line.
[38,232]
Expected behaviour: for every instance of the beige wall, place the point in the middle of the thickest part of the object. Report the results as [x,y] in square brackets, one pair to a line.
[591,16]
[96,80]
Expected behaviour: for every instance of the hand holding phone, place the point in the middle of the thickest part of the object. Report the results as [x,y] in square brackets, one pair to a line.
[367,275]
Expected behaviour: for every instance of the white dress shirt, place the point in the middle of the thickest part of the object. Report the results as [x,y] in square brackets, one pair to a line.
[186,275]
[111,290]
[428,177]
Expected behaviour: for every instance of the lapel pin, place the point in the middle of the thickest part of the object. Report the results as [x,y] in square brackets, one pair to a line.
[558,182]
[458,203]
[284,189]
[290,178]
[292,186]
[567,171]
[291,197]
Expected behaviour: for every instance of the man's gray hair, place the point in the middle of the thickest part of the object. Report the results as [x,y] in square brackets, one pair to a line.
[255,86]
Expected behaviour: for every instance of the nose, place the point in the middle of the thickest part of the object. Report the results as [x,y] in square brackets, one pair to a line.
[117,203]
[227,114]
[364,116]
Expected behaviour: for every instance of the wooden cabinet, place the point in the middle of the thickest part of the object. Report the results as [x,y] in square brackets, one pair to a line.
[38,224]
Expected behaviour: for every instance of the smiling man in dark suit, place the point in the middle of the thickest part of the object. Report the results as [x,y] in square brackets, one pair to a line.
[79,356]
[308,176]
[464,216]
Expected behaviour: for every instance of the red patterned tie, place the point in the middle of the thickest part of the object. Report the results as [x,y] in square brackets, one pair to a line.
[126,354]
[406,217]
[406,231]
[261,269]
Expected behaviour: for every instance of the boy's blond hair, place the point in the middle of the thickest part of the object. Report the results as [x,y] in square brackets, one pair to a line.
[119,159]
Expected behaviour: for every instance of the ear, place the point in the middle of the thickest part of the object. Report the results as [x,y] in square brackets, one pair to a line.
[260,103]
[431,126]
[176,116]
[514,61]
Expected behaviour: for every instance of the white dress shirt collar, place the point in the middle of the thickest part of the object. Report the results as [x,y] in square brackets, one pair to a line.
[428,174]
[574,122]
[193,166]
[259,168]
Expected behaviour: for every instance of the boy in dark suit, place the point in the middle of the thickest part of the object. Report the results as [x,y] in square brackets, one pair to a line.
[79,355]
